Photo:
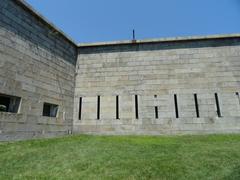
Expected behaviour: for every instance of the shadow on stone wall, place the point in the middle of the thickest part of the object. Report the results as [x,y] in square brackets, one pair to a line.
[17,20]
[152,46]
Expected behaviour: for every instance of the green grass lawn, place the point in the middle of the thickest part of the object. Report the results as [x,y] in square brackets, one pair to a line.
[123,157]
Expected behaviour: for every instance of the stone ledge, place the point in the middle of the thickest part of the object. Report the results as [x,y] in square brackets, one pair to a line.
[173,39]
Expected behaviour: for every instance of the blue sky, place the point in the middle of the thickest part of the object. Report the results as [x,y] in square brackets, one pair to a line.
[110,20]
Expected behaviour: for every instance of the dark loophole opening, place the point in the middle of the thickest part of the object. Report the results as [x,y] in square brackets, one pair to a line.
[136,106]
[156,112]
[98,107]
[176,106]
[117,107]
[217,105]
[80,109]
[196,105]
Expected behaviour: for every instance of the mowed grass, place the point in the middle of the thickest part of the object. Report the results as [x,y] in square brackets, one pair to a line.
[123,157]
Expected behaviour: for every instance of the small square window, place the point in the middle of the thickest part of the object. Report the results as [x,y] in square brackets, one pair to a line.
[9,103]
[50,110]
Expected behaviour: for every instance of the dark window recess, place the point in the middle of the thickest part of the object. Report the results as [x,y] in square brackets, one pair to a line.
[50,110]
[217,105]
[98,107]
[117,107]
[136,106]
[156,112]
[176,105]
[196,105]
[9,103]
[80,109]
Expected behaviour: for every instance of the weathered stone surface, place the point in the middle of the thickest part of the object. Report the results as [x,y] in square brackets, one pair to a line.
[40,64]
[38,67]
[202,67]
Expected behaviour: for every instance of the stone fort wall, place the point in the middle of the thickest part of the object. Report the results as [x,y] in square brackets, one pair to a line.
[163,86]
[37,64]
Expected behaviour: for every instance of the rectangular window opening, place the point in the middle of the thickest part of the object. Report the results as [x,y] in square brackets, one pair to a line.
[80,109]
[9,103]
[196,105]
[176,105]
[98,107]
[217,105]
[156,112]
[117,107]
[50,110]
[136,106]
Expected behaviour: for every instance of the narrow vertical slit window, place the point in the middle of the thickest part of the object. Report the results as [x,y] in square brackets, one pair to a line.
[98,107]
[80,109]
[117,107]
[176,105]
[217,105]
[136,106]
[196,105]
[156,112]
[237,94]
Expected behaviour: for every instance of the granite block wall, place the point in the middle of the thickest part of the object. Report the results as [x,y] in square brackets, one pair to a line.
[38,65]
[177,86]
[155,72]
